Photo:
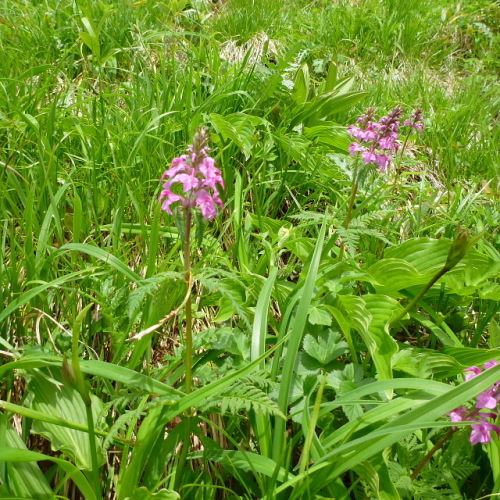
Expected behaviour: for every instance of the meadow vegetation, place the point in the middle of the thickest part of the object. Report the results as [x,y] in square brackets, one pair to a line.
[330,330]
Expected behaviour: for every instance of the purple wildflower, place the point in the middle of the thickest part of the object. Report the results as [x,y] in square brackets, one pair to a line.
[377,141]
[481,432]
[457,415]
[416,120]
[481,428]
[192,180]
[475,371]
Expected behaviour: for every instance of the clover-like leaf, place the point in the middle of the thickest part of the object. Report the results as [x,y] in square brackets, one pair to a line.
[324,347]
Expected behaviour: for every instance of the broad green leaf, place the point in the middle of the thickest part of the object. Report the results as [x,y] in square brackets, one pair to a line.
[61,402]
[424,363]
[331,135]
[15,455]
[429,255]
[390,275]
[331,77]
[494,334]
[301,85]
[371,315]
[48,419]
[25,478]
[325,105]
[469,356]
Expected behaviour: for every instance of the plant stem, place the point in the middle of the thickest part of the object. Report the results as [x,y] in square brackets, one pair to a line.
[188,308]
[304,459]
[188,340]
[93,449]
[421,294]
[83,389]
[429,455]
[349,213]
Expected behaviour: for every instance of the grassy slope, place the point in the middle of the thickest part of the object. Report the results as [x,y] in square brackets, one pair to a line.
[97,97]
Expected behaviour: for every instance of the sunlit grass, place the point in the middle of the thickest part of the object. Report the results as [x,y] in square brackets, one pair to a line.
[96,98]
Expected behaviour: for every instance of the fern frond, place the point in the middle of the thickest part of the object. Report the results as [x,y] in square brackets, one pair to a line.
[244,396]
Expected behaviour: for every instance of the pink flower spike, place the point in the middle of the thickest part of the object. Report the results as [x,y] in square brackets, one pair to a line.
[487,399]
[383,162]
[457,415]
[490,364]
[206,204]
[369,156]
[355,147]
[192,180]
[474,369]
[481,432]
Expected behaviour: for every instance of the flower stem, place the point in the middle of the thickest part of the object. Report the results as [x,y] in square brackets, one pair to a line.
[349,213]
[188,338]
[420,295]
[77,379]
[468,417]
[429,455]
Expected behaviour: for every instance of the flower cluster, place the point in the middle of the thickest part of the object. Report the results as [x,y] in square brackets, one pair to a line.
[192,180]
[416,120]
[481,428]
[378,140]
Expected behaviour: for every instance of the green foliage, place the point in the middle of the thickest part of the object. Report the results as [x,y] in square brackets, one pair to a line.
[307,382]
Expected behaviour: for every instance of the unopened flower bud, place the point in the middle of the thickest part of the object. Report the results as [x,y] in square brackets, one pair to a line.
[458,248]
[68,374]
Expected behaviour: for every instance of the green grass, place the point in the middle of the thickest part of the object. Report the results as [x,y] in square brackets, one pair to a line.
[96,99]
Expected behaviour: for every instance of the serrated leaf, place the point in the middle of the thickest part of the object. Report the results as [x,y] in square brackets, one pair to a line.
[412,363]
[319,316]
[325,347]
